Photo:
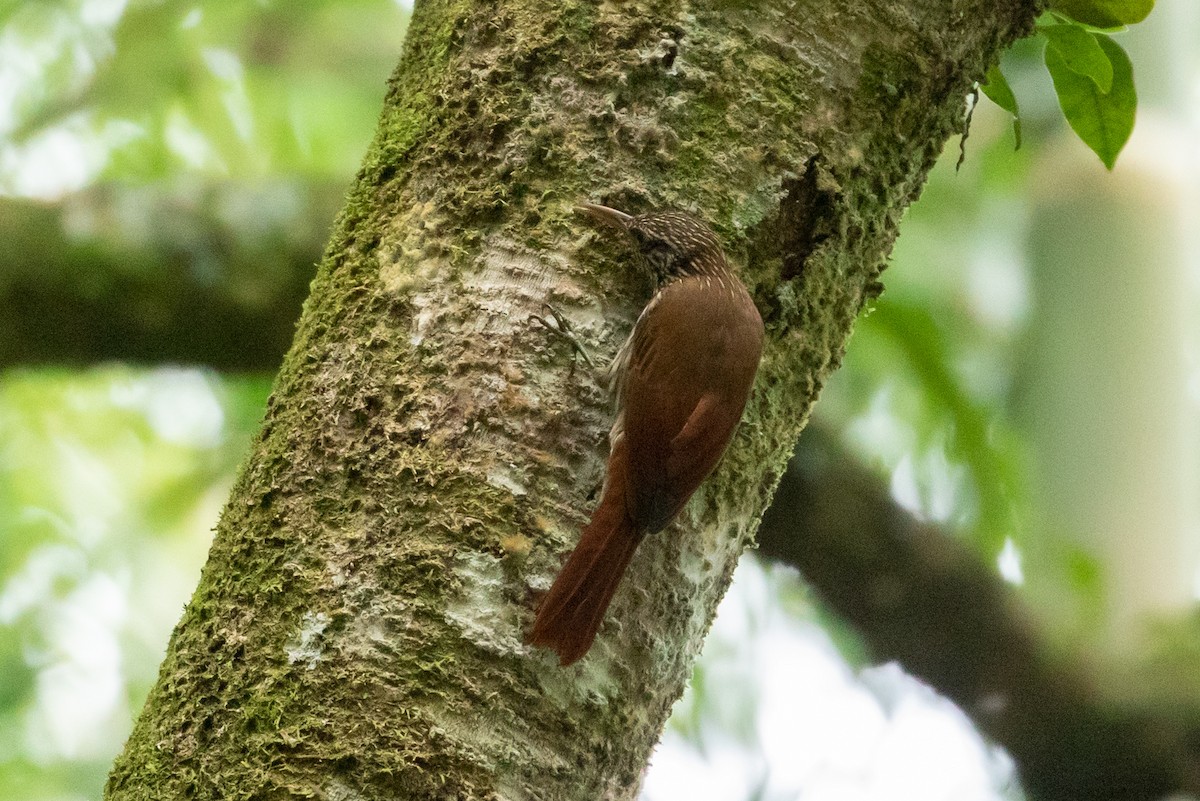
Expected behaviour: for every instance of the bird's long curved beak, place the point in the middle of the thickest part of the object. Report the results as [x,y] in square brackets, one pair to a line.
[606,215]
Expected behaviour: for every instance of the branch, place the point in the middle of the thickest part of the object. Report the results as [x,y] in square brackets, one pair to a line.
[926,600]
[210,275]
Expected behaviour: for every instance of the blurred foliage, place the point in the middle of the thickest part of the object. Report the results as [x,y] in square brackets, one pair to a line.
[142,90]
[185,270]
[110,481]
[927,374]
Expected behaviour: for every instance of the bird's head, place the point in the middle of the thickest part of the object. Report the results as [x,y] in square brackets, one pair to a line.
[674,244]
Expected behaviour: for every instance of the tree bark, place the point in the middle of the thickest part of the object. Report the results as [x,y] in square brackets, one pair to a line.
[427,456]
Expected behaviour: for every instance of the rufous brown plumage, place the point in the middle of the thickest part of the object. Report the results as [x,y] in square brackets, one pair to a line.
[681,381]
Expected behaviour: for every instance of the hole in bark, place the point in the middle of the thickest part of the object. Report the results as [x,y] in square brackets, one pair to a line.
[804,216]
[670,50]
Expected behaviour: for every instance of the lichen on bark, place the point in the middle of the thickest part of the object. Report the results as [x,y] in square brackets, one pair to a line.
[428,456]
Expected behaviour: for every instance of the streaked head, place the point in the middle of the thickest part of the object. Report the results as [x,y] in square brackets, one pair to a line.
[673,243]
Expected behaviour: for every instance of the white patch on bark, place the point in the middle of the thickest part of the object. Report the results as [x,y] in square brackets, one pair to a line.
[338,790]
[421,320]
[506,281]
[481,611]
[494,741]
[511,284]
[307,644]
[509,790]
[490,620]
[506,476]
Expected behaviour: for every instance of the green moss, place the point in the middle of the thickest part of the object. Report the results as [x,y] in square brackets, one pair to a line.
[888,75]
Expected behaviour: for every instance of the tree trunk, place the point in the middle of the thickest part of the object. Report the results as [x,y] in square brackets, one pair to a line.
[428,457]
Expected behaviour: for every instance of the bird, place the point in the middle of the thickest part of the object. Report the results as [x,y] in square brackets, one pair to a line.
[681,381]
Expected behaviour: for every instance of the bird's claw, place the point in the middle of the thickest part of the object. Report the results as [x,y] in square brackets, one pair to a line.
[557,325]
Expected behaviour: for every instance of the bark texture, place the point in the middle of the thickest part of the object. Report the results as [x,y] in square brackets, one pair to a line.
[427,457]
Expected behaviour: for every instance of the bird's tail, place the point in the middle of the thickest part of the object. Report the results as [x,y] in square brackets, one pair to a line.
[571,612]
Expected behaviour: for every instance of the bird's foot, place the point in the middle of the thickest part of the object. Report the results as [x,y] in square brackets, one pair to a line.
[558,326]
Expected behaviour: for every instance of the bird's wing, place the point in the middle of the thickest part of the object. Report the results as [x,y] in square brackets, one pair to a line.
[693,354]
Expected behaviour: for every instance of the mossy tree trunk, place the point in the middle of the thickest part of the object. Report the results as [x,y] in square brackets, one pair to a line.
[428,457]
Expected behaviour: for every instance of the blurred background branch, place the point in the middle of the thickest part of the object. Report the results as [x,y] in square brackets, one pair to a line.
[193,273]
[920,596]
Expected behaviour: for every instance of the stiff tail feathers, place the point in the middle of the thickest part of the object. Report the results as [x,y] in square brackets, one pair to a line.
[572,611]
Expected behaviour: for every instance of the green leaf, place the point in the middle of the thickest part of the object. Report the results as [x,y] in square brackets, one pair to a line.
[1104,13]
[1081,53]
[999,92]
[1103,120]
